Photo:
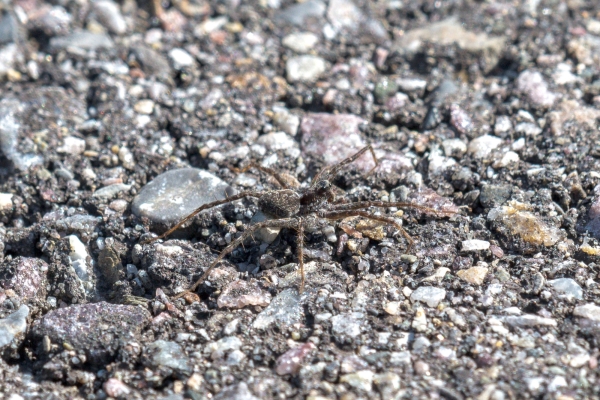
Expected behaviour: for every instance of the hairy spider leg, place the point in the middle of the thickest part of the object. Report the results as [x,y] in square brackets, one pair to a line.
[200,209]
[333,215]
[284,180]
[290,223]
[332,170]
[300,245]
[386,204]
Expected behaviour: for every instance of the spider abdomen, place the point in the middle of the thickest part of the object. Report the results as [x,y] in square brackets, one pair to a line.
[280,203]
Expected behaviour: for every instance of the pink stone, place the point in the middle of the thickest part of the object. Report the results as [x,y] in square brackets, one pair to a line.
[290,362]
[115,388]
[239,294]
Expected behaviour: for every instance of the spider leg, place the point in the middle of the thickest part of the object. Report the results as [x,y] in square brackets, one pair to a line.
[286,181]
[359,213]
[386,204]
[274,223]
[334,169]
[300,245]
[200,209]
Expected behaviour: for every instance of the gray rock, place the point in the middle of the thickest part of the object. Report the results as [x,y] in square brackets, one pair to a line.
[305,68]
[567,287]
[474,245]
[344,14]
[10,31]
[110,191]
[588,311]
[298,13]
[13,326]
[483,146]
[347,325]
[95,328]
[533,85]
[163,353]
[494,195]
[181,58]
[110,16]
[174,194]
[429,295]
[53,21]
[301,42]
[285,310]
[152,62]
[529,320]
[82,40]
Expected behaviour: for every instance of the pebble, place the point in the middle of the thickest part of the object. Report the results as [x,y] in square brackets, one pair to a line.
[510,157]
[110,191]
[83,41]
[291,361]
[347,325]
[567,287]
[454,148]
[277,141]
[392,308]
[475,245]
[9,57]
[174,194]
[286,121]
[115,388]
[589,311]
[163,353]
[218,349]
[296,14]
[502,125]
[72,145]
[529,320]
[483,146]
[110,16]
[95,328]
[181,59]
[361,380]
[241,293]
[344,14]
[305,68]
[473,275]
[6,203]
[437,276]
[265,235]
[13,326]
[388,383]
[430,295]
[284,310]
[533,85]
[144,107]
[300,42]
[494,195]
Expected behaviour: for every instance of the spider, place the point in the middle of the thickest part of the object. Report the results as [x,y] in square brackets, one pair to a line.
[297,208]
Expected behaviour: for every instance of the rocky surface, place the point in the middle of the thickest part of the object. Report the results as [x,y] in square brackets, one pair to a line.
[116,120]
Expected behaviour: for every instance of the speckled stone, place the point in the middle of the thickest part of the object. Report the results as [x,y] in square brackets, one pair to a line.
[94,328]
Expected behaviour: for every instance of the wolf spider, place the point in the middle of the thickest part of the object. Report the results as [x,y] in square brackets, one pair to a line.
[297,208]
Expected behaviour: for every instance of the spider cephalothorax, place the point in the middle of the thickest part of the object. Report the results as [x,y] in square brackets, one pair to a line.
[297,208]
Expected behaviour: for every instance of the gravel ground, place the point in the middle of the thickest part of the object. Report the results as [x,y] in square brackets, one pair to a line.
[118,119]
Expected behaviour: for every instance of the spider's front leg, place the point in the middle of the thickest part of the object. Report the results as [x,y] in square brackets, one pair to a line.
[274,223]
[335,215]
[200,209]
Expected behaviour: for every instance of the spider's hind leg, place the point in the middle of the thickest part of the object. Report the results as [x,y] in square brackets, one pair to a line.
[273,223]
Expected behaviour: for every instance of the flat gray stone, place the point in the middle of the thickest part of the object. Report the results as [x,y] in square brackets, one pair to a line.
[567,287]
[429,295]
[174,194]
[13,325]
[83,40]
